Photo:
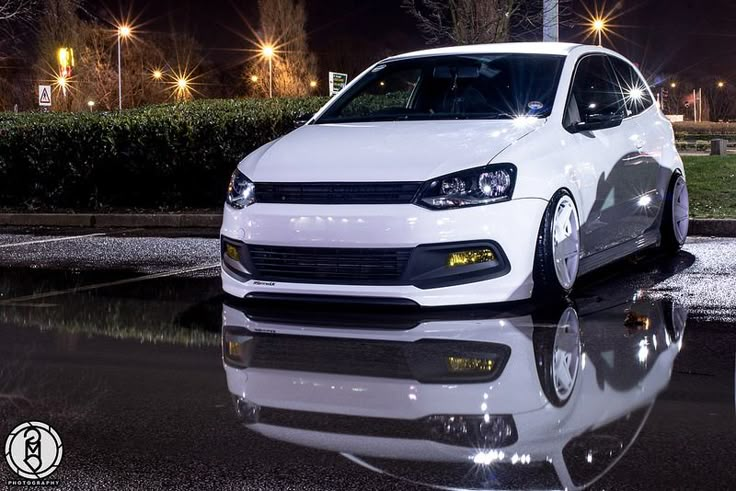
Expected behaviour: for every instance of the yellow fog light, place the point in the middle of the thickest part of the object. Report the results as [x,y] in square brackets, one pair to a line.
[464,258]
[462,364]
[234,350]
[232,252]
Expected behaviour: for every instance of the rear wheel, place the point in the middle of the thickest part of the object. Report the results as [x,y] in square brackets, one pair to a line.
[557,257]
[676,216]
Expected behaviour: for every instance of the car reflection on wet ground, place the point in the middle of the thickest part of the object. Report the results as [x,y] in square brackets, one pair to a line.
[118,341]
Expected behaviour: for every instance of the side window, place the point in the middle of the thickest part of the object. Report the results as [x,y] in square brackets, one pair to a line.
[637,97]
[594,91]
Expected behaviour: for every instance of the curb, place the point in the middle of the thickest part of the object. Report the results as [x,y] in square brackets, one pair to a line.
[713,227]
[113,220]
[704,227]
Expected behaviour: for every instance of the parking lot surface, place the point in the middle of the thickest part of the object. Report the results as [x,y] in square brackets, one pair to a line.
[115,339]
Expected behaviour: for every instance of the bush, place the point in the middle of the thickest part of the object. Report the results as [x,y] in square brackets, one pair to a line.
[166,157]
[690,131]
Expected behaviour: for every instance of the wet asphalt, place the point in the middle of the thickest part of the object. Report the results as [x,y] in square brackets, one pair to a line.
[114,339]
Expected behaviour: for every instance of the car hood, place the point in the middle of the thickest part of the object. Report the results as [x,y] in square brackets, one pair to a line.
[383,151]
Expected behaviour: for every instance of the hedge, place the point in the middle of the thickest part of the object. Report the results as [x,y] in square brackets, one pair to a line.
[159,157]
[705,128]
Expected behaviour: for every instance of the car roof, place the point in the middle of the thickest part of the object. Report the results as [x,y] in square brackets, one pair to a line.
[562,49]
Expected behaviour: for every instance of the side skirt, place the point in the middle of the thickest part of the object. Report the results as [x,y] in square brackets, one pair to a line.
[600,259]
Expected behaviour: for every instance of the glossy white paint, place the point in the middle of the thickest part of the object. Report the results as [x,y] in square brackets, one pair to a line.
[392,226]
[547,156]
[383,151]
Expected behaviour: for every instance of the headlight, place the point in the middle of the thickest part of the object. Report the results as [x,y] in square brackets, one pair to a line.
[481,186]
[241,192]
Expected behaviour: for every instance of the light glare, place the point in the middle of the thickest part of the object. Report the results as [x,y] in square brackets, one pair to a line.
[124,31]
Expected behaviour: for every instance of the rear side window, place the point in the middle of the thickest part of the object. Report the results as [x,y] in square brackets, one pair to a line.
[595,91]
[637,97]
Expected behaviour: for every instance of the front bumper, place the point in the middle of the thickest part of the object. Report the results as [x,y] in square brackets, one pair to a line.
[511,227]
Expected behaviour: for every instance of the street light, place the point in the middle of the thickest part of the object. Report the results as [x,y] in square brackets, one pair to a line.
[62,82]
[268,52]
[598,26]
[157,74]
[182,89]
[254,78]
[124,32]
[721,84]
[313,84]
[91,105]
[673,85]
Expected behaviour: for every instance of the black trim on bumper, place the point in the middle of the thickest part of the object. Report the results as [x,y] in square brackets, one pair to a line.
[426,267]
[333,299]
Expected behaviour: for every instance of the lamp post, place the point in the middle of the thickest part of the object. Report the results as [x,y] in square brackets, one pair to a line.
[268,52]
[124,32]
[599,25]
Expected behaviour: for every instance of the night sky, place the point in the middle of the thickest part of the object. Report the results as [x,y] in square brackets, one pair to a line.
[674,37]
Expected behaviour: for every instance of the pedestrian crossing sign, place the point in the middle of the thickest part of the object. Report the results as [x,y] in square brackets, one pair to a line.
[44,95]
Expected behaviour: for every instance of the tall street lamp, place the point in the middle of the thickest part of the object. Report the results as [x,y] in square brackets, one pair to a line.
[268,52]
[598,26]
[124,32]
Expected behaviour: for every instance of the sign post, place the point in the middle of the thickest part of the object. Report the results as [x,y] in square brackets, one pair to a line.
[337,81]
[44,95]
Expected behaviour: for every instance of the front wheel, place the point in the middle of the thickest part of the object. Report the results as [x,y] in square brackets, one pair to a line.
[676,216]
[558,354]
[557,256]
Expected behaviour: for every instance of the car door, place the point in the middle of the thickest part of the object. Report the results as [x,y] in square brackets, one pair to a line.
[608,152]
[642,182]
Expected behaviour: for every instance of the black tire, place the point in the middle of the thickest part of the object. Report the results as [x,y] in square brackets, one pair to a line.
[669,242]
[547,287]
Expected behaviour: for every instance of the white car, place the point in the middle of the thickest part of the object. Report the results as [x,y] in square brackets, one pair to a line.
[463,400]
[462,175]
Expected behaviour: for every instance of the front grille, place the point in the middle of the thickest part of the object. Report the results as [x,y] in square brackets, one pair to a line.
[326,193]
[327,265]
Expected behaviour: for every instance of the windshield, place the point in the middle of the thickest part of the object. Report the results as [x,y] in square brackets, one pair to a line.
[493,86]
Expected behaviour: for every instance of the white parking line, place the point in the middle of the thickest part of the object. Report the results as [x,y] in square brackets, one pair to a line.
[56,293]
[46,241]
[71,237]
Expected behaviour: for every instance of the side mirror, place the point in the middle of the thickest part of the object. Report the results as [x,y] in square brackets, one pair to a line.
[593,122]
[302,120]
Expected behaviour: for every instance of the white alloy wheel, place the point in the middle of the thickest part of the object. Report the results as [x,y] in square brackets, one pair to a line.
[566,354]
[566,242]
[680,210]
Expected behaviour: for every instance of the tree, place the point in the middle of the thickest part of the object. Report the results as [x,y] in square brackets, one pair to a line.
[13,12]
[59,26]
[458,22]
[719,99]
[283,25]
